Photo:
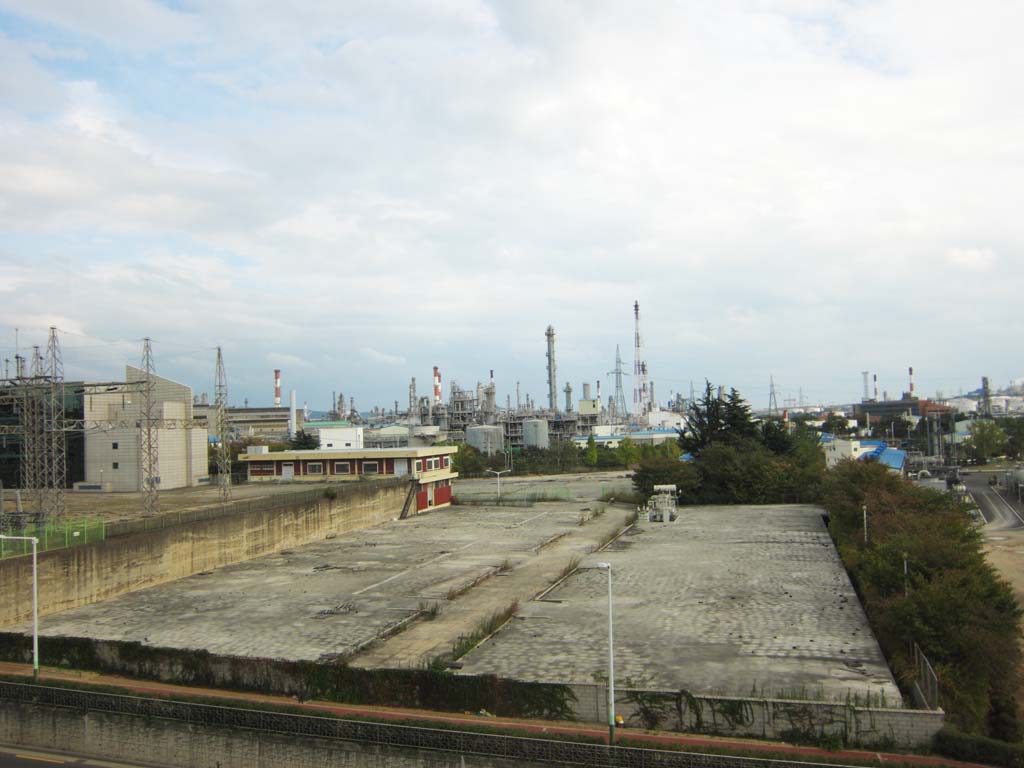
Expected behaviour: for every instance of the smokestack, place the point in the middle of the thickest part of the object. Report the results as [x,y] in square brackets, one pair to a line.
[586,390]
[910,370]
[598,389]
[277,387]
[492,377]
[568,398]
[437,385]
[874,378]
[552,376]
[291,417]
[867,393]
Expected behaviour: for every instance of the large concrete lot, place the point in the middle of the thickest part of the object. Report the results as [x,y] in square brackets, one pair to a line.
[334,596]
[725,600]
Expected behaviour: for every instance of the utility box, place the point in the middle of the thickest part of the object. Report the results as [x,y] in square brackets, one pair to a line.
[661,507]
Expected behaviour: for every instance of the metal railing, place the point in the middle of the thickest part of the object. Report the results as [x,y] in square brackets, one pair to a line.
[386,734]
[926,682]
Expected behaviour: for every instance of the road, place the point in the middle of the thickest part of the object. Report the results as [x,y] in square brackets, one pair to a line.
[1000,512]
[17,757]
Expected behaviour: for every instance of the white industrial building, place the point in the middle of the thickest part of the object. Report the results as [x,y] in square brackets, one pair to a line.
[113,455]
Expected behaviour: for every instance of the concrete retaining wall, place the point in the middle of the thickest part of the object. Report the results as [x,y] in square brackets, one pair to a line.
[777,719]
[88,573]
[172,743]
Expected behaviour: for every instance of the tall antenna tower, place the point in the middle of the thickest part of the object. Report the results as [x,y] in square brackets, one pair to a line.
[33,432]
[773,402]
[149,442]
[619,401]
[56,457]
[552,375]
[641,394]
[223,447]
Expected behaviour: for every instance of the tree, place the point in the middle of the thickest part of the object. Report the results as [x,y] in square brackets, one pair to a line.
[835,424]
[304,441]
[986,440]
[775,437]
[1013,428]
[663,470]
[468,461]
[590,457]
[736,414]
[628,452]
[705,422]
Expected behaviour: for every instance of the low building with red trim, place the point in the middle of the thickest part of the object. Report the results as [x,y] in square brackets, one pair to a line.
[430,466]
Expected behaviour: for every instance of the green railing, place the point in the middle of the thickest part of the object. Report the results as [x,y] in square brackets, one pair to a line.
[54,536]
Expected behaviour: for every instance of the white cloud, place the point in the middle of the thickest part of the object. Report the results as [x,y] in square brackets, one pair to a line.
[977,259]
[380,357]
[441,181]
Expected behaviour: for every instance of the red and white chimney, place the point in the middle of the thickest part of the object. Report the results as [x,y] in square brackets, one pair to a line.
[437,385]
[277,387]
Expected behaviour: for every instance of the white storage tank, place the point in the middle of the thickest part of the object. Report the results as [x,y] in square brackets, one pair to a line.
[535,433]
[486,439]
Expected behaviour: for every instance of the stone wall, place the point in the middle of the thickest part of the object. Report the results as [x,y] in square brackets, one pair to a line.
[777,719]
[87,573]
[172,743]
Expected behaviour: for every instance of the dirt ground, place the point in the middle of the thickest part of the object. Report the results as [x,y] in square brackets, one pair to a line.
[1006,554]
[122,506]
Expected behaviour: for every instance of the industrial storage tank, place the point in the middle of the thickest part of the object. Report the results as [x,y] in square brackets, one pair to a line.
[486,439]
[535,433]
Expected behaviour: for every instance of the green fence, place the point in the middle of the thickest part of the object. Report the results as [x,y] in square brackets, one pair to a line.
[54,536]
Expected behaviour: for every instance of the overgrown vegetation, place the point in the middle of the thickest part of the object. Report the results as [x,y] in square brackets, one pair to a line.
[952,603]
[484,629]
[330,681]
[735,460]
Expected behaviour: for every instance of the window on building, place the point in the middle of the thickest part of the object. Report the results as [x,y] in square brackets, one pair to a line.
[314,468]
[342,468]
[115,465]
[113,446]
[370,468]
[446,461]
[433,463]
[419,465]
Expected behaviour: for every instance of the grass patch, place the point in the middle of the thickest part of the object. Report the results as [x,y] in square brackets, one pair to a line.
[623,496]
[484,629]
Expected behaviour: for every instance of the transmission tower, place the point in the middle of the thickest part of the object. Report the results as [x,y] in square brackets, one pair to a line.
[223,448]
[33,436]
[149,427]
[619,402]
[773,402]
[55,450]
[641,395]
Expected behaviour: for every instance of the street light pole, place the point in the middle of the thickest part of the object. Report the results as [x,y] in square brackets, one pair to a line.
[498,473]
[35,600]
[611,656]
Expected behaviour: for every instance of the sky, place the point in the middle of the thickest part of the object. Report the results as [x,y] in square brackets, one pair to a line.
[354,192]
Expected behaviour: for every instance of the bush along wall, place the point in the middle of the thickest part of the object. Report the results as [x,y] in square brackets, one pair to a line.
[952,603]
[416,688]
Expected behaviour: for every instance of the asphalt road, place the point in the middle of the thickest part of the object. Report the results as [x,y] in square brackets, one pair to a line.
[20,757]
[1001,512]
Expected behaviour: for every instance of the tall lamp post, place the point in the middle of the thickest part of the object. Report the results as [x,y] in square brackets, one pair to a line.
[35,600]
[498,473]
[611,655]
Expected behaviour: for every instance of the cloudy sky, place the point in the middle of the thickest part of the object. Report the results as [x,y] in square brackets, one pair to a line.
[356,191]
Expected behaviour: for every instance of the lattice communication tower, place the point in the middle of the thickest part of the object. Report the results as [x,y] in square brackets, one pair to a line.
[223,446]
[149,427]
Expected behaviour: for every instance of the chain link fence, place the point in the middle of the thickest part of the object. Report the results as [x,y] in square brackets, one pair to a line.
[55,535]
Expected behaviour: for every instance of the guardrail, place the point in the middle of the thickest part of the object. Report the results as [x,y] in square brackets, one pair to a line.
[385,734]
